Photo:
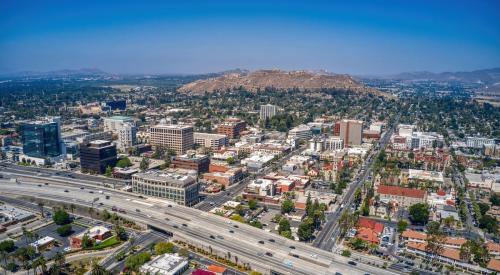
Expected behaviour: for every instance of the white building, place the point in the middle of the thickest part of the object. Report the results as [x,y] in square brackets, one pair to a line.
[115,123]
[267,111]
[300,132]
[127,136]
[405,130]
[334,143]
[478,142]
[257,160]
[207,140]
[263,187]
[166,264]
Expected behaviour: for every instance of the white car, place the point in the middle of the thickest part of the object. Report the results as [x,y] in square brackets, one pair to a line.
[67,249]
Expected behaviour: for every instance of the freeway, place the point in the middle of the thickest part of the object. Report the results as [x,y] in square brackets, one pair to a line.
[327,238]
[192,224]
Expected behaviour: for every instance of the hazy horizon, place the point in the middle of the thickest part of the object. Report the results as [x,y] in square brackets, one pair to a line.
[362,38]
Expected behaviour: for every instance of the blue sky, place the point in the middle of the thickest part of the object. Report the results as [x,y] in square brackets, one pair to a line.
[358,37]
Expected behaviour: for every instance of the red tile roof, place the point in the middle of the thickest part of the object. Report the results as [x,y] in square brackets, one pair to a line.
[449,253]
[493,247]
[401,191]
[371,224]
[494,264]
[216,268]
[367,234]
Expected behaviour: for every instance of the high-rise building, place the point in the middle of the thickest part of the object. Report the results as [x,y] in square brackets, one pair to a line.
[351,131]
[127,135]
[300,132]
[115,123]
[232,127]
[176,137]
[267,111]
[42,139]
[97,155]
[213,141]
[178,188]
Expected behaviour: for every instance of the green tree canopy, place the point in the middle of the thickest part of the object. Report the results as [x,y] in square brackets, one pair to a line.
[419,213]
[61,217]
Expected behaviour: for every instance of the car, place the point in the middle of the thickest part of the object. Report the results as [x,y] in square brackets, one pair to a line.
[169,205]
[212,237]
[220,237]
[91,192]
[295,255]
[352,263]
[261,242]
[107,197]
[122,211]
[141,197]
[39,185]
[66,190]
[231,231]
[292,247]
[46,183]
[82,188]
[114,208]
[185,225]
[137,210]
[211,203]
[101,204]
[175,226]
[269,254]
[67,249]
[236,226]
[271,240]
[167,219]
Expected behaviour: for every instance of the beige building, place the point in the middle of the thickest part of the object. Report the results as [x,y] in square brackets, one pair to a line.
[351,131]
[404,197]
[213,141]
[176,137]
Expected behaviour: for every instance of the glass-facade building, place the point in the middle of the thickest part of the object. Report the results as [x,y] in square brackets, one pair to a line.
[42,139]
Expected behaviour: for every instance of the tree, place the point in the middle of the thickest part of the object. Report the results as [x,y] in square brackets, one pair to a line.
[133,262]
[252,204]
[144,164]
[120,232]
[358,244]
[124,162]
[495,199]
[287,234]
[65,230]
[183,252]
[97,269]
[230,160]
[40,206]
[287,206]
[109,171]
[483,208]
[466,250]
[61,217]
[7,246]
[86,241]
[488,223]
[284,225]
[419,213]
[435,238]
[164,247]
[402,225]
[305,230]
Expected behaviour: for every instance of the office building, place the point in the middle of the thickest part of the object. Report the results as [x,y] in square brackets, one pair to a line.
[300,132]
[478,142]
[333,143]
[405,130]
[232,127]
[115,123]
[97,155]
[166,264]
[127,136]
[175,187]
[351,131]
[176,137]
[199,163]
[267,111]
[42,139]
[213,141]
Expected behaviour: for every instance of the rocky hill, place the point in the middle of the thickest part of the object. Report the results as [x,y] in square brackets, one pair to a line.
[259,80]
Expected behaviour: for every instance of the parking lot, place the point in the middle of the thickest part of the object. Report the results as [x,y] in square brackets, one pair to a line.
[51,231]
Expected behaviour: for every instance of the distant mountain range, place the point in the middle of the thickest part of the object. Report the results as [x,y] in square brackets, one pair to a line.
[281,80]
[84,72]
[486,76]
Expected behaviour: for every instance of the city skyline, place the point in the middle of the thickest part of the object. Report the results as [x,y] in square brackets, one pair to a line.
[165,38]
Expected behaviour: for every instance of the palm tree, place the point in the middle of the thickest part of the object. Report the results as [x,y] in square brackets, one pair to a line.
[97,269]
[42,263]
[72,207]
[41,205]
[91,211]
